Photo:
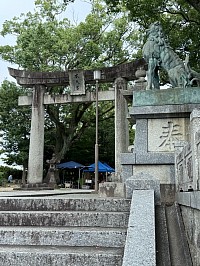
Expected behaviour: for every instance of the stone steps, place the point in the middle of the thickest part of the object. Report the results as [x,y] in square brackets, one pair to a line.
[63,231]
[39,218]
[59,256]
[71,203]
[63,236]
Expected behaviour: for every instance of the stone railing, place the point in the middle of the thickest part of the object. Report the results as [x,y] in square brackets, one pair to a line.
[140,247]
[184,171]
[187,161]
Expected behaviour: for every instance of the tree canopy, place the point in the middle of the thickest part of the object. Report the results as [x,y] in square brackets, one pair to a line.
[180,20]
[14,125]
[44,42]
[154,6]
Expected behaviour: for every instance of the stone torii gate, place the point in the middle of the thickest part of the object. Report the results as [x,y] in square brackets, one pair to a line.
[40,81]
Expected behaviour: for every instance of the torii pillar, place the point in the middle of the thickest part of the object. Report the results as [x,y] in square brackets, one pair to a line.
[36,147]
[121,125]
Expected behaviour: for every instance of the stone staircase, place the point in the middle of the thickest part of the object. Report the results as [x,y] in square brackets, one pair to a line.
[63,230]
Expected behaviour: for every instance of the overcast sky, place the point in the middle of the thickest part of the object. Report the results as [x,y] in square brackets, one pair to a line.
[10,8]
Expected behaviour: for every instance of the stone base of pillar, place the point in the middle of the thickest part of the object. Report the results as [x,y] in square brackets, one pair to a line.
[112,189]
[36,187]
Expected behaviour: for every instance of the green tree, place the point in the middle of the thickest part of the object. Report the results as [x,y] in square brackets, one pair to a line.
[14,125]
[83,150]
[180,20]
[45,43]
[152,6]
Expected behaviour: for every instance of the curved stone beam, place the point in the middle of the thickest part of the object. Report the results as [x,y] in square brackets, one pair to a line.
[29,79]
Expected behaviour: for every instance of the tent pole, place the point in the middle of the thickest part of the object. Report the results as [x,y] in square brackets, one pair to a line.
[96,144]
[79,174]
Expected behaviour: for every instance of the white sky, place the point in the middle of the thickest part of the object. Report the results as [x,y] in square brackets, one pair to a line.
[76,11]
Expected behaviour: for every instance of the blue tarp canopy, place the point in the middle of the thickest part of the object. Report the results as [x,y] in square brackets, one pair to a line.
[69,165]
[103,168]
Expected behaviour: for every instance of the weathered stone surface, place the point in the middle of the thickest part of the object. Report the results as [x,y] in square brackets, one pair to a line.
[162,239]
[189,199]
[164,133]
[29,79]
[184,169]
[140,243]
[63,236]
[163,173]
[121,124]
[195,145]
[187,158]
[160,135]
[112,189]
[141,136]
[162,111]
[47,256]
[190,210]
[179,250]
[167,192]
[130,159]
[64,219]
[75,203]
[155,158]
[35,187]
[127,171]
[77,230]
[67,98]
[178,96]
[36,146]
[141,182]
[191,219]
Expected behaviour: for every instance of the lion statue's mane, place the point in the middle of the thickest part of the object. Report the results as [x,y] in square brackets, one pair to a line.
[158,54]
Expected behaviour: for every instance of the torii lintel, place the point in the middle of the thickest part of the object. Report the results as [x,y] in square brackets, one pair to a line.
[61,78]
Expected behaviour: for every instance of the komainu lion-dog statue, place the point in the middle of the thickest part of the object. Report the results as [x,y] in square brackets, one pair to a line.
[158,54]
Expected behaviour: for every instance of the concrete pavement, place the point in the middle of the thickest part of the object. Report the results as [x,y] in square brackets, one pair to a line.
[9,192]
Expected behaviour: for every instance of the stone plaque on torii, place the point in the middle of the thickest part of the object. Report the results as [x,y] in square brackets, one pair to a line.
[40,81]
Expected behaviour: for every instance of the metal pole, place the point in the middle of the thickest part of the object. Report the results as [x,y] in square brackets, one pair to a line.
[79,177]
[96,144]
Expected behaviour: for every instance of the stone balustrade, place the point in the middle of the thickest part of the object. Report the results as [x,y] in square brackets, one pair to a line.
[184,173]
[187,159]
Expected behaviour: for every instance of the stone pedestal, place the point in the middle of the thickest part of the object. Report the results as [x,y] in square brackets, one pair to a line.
[162,120]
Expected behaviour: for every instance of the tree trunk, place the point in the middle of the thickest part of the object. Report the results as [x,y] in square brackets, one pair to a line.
[24,172]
